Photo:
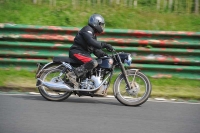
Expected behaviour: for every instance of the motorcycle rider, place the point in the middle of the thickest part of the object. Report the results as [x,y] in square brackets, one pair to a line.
[86,43]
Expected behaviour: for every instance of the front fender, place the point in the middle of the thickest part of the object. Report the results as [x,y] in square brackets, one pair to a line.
[134,70]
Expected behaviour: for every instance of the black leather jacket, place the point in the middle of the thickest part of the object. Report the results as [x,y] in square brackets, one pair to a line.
[86,41]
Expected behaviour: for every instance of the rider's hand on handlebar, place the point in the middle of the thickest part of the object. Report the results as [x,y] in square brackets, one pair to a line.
[108,47]
[99,53]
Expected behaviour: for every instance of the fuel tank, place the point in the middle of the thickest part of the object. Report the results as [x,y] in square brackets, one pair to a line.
[105,62]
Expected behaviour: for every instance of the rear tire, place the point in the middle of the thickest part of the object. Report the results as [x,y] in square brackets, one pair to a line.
[49,94]
[142,89]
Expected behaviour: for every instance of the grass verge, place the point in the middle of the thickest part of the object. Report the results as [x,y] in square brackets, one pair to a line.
[24,81]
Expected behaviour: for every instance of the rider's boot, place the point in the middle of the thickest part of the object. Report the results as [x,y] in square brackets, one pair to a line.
[81,70]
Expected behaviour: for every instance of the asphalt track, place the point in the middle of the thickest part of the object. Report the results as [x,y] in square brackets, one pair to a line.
[33,114]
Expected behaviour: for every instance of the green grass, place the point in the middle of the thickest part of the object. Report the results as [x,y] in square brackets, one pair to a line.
[24,80]
[116,16]
[176,87]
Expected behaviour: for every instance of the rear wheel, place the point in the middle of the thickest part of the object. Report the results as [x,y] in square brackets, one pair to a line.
[139,92]
[52,75]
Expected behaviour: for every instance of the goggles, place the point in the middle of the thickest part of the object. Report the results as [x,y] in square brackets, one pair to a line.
[102,25]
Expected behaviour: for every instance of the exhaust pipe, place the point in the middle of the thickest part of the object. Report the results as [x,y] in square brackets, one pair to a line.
[53,86]
[64,87]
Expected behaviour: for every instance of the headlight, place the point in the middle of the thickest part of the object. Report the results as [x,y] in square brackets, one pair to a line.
[129,60]
[110,61]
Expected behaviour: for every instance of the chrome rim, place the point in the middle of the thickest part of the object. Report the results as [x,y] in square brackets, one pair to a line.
[138,88]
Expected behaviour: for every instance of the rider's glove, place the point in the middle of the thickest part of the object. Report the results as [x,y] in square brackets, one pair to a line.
[107,46]
[99,53]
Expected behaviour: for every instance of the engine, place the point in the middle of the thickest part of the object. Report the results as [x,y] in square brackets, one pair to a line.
[95,81]
[87,84]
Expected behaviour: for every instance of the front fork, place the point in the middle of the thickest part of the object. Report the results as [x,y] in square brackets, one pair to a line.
[125,75]
[126,78]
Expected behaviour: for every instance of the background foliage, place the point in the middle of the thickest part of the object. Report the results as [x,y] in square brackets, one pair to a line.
[180,15]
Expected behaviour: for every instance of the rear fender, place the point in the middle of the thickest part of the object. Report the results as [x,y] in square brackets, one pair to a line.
[42,68]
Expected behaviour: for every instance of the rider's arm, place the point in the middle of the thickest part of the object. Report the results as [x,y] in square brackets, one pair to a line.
[91,40]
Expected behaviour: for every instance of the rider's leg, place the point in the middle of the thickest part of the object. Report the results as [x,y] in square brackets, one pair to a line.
[79,71]
[88,65]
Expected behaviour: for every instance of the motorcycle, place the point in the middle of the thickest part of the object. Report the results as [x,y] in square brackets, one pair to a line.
[131,87]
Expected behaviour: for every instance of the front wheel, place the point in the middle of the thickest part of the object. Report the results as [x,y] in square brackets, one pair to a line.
[139,92]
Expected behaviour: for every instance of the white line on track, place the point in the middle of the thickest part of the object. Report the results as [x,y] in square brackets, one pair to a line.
[108,97]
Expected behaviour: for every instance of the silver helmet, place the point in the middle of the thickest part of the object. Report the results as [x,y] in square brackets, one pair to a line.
[97,22]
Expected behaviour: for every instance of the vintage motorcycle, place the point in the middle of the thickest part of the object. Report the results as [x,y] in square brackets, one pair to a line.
[131,87]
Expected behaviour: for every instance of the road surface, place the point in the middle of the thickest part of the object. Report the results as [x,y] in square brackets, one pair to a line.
[33,114]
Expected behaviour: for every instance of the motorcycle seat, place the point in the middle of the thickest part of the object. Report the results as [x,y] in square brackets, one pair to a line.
[64,59]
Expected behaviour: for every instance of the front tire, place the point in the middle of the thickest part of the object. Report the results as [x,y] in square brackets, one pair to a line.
[139,92]
[53,95]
